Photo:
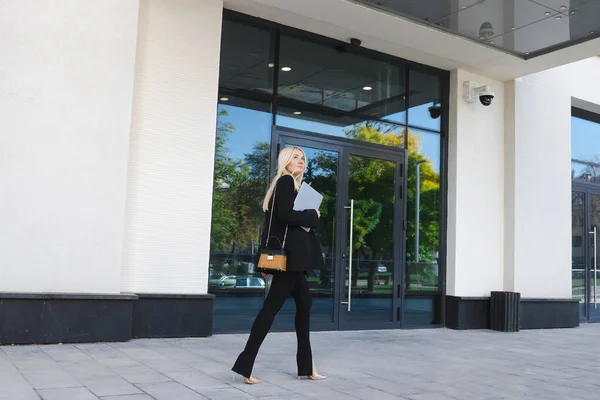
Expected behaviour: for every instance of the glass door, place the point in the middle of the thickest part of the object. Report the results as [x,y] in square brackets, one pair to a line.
[371,235]
[360,229]
[585,262]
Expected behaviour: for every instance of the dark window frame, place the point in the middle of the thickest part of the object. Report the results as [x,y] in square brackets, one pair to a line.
[408,66]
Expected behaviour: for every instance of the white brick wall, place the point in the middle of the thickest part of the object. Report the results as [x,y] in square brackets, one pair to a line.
[169,196]
[66,84]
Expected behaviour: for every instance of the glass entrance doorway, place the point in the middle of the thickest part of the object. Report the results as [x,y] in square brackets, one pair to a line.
[585,263]
[361,230]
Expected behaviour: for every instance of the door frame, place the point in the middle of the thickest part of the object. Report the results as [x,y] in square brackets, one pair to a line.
[588,189]
[346,147]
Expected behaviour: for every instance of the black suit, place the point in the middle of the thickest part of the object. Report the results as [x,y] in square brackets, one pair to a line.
[304,253]
[303,248]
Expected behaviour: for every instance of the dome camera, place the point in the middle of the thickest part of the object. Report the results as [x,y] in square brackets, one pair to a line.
[355,42]
[435,111]
[486,97]
[473,92]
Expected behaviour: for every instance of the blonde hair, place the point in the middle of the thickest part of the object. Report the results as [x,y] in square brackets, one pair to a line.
[285,157]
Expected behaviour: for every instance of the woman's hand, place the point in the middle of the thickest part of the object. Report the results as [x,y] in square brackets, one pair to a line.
[264,275]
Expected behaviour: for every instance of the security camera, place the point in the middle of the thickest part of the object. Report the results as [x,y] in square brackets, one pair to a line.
[474,92]
[485,96]
[486,31]
[355,42]
[435,111]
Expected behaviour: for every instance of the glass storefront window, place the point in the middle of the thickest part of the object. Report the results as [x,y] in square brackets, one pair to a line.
[247,59]
[423,228]
[586,172]
[424,102]
[585,140]
[240,183]
[331,88]
[585,150]
[379,132]
[322,79]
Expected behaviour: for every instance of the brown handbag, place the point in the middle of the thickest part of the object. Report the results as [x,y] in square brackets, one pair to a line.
[273,260]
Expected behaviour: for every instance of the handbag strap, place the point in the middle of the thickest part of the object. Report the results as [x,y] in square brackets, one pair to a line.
[271,219]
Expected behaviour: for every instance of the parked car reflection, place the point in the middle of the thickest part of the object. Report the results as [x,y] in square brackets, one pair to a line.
[250,282]
[218,281]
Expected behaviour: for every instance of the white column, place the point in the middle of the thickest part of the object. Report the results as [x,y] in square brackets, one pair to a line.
[538,186]
[475,190]
[172,147]
[66,84]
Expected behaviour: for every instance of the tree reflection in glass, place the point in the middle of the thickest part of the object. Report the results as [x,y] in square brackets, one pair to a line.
[322,174]
[240,180]
[371,184]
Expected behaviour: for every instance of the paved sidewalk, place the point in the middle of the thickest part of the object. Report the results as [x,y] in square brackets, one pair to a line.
[375,365]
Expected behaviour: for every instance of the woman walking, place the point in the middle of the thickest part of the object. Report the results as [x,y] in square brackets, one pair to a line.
[303,253]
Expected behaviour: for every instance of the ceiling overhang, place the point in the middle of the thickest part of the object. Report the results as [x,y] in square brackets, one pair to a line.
[406,38]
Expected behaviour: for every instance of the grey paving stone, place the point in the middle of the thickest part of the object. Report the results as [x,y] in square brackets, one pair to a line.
[227,393]
[86,370]
[198,381]
[21,390]
[65,353]
[420,364]
[329,394]
[170,391]
[264,389]
[67,393]
[50,379]
[429,396]
[390,386]
[140,374]
[110,386]
[369,393]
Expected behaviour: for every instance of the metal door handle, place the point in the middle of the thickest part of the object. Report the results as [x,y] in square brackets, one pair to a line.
[351,207]
[594,232]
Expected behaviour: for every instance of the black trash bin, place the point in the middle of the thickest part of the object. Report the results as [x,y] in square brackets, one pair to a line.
[504,311]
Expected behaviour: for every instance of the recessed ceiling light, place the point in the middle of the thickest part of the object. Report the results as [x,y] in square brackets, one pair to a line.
[573,12]
[297,112]
[513,28]
[440,24]
[558,17]
[527,53]
[224,99]
[592,32]
[481,37]
[367,88]
[491,42]
[463,7]
[547,13]
[271,65]
[563,7]
[286,69]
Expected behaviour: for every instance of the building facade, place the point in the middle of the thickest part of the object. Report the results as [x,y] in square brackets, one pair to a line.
[138,138]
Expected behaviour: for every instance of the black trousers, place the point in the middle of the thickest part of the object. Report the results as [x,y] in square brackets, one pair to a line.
[283,284]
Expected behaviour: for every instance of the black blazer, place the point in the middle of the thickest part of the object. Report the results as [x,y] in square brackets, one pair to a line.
[303,248]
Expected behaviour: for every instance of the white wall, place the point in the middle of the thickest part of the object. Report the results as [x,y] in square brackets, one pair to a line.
[541,188]
[66,79]
[172,147]
[475,190]
[509,193]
